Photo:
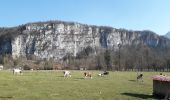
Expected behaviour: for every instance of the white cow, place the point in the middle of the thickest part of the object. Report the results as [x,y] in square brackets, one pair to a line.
[17,71]
[1,67]
[67,73]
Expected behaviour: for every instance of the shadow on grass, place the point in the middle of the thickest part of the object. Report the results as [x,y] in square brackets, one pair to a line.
[60,76]
[5,85]
[142,96]
[6,97]
[79,78]
[132,80]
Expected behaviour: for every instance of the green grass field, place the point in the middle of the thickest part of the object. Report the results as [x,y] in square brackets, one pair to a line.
[51,85]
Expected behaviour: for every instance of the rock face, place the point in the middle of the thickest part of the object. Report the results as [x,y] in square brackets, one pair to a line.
[56,39]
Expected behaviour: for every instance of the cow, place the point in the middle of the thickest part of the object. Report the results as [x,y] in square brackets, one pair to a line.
[17,71]
[67,73]
[1,67]
[104,73]
[87,75]
[140,77]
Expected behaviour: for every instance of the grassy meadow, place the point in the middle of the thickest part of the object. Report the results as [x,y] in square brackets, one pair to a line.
[51,85]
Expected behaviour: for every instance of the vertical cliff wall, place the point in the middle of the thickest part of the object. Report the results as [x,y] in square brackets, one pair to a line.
[57,39]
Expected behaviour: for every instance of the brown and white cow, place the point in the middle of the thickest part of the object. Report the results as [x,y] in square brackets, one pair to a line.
[87,75]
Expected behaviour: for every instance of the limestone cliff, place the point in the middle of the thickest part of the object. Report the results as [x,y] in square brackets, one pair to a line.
[56,39]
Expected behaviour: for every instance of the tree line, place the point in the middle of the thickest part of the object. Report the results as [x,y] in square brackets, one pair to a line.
[132,58]
[127,58]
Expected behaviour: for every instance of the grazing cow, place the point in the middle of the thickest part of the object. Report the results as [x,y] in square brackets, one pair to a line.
[67,73]
[1,67]
[104,73]
[101,74]
[17,71]
[87,74]
[140,77]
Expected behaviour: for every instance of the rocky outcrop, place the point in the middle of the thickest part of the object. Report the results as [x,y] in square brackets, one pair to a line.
[167,35]
[56,39]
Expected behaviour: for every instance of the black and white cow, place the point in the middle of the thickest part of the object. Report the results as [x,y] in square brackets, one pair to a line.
[140,77]
[103,73]
[17,71]
[67,74]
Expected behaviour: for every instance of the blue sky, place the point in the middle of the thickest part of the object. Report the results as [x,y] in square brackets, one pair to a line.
[151,15]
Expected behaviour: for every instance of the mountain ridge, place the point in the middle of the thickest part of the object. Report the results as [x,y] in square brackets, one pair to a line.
[56,39]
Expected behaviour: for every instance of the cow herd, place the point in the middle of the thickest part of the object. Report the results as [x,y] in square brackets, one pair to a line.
[86,74]
[66,73]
